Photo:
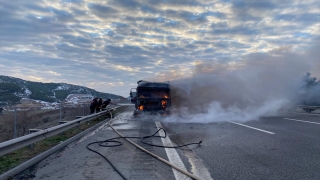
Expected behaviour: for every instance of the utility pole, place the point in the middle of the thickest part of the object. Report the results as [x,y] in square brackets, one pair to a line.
[60,111]
[83,109]
[15,124]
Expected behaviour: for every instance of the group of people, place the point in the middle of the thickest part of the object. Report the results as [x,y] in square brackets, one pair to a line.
[97,104]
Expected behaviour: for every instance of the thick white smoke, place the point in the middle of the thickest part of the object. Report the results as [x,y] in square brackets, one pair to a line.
[259,85]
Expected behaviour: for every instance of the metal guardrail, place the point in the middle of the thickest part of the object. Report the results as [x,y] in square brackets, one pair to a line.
[20,142]
[308,106]
[308,109]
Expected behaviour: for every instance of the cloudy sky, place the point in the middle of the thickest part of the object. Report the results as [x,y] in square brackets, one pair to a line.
[110,45]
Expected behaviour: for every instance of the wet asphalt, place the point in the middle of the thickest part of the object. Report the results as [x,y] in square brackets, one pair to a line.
[228,151]
[231,151]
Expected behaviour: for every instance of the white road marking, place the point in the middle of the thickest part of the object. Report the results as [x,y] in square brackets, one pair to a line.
[172,155]
[197,166]
[301,121]
[252,128]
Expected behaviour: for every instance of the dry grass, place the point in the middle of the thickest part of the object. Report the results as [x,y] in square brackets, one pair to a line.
[38,119]
[15,158]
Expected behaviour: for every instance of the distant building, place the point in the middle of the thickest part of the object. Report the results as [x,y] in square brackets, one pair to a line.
[79,98]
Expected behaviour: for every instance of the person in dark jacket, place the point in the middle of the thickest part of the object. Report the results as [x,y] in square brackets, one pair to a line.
[105,104]
[98,105]
[93,105]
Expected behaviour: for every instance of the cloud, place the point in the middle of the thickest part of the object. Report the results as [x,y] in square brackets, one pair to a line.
[126,39]
[102,11]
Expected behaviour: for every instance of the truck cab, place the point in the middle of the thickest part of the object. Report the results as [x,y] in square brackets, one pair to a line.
[151,98]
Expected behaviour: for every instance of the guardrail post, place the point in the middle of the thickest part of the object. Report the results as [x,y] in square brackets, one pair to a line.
[32,131]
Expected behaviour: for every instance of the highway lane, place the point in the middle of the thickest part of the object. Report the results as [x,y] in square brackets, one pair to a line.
[228,151]
[232,151]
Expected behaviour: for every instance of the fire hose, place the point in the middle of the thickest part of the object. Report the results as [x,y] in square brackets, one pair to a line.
[127,138]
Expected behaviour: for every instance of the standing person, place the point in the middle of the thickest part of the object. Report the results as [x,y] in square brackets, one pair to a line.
[98,105]
[105,104]
[93,105]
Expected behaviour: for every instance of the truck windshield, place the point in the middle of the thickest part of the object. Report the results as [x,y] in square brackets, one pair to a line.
[153,94]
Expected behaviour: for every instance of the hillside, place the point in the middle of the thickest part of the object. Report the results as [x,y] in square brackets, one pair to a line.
[12,90]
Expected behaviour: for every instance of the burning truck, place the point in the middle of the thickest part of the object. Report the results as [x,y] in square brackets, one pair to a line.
[151,98]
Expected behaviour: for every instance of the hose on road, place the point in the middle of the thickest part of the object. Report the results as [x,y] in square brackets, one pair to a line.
[113,143]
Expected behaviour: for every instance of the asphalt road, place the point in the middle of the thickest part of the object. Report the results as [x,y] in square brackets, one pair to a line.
[234,151]
[286,147]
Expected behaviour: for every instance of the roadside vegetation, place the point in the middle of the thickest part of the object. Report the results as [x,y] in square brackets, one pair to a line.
[310,91]
[38,119]
[7,93]
[19,156]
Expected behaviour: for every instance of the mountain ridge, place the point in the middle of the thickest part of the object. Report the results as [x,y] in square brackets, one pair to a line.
[13,89]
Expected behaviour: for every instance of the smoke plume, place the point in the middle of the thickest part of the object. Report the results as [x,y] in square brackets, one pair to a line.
[261,84]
